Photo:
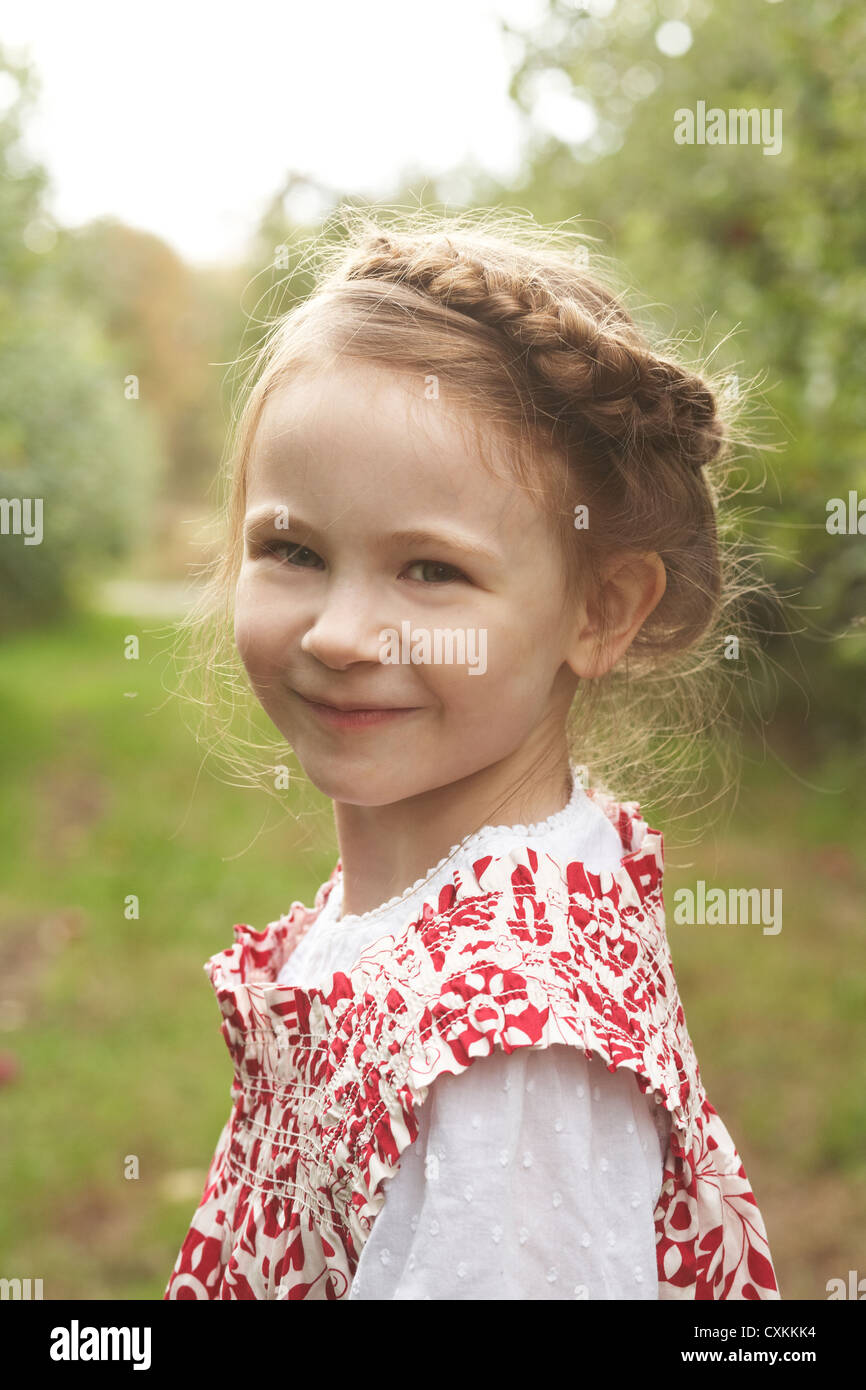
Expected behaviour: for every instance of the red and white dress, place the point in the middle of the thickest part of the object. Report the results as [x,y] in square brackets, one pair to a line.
[592,1169]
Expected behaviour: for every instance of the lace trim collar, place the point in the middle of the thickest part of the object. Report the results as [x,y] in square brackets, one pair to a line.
[476,840]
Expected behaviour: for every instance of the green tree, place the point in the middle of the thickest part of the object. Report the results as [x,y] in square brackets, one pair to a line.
[70,439]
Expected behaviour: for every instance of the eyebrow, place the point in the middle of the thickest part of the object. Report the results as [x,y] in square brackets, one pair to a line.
[453,541]
[263,518]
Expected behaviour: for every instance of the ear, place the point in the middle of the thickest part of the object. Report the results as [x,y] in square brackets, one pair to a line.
[631,587]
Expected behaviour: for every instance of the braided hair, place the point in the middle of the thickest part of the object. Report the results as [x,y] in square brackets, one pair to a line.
[583,355]
[532,347]
[530,344]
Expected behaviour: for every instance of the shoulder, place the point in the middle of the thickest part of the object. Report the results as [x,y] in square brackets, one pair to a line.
[624,816]
[544,1121]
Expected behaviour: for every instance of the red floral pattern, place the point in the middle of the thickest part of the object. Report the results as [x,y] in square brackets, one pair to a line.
[524,952]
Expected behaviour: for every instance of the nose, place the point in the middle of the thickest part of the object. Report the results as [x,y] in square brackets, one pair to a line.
[345,630]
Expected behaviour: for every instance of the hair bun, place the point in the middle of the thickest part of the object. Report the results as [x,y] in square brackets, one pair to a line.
[678,413]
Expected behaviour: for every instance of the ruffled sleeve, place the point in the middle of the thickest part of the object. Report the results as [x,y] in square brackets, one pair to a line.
[535,1175]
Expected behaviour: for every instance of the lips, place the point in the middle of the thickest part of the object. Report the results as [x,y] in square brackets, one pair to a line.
[355,717]
[355,708]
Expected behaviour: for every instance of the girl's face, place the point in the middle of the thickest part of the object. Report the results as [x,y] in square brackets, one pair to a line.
[372,526]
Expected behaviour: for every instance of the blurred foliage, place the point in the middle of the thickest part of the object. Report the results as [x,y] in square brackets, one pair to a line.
[165,322]
[68,436]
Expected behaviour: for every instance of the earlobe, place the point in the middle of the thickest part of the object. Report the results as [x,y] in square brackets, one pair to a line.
[585,651]
[631,587]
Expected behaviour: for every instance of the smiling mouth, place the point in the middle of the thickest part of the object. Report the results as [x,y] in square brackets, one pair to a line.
[353,709]
[355,716]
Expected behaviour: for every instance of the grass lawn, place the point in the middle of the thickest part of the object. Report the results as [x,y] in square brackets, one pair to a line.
[110,1048]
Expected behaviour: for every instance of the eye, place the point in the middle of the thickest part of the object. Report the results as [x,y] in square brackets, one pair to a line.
[435,572]
[299,556]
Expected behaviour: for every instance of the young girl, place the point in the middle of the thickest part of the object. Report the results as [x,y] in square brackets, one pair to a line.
[465,488]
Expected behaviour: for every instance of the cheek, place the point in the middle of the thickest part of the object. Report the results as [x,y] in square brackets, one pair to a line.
[510,682]
[258,634]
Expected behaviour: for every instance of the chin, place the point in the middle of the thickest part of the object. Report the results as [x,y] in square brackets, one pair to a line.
[357,781]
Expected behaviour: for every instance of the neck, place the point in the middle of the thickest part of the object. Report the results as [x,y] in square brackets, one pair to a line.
[385,849]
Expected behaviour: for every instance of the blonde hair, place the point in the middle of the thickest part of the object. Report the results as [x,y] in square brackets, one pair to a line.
[539,356]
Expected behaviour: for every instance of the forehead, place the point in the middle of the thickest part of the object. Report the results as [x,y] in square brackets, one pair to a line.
[359,427]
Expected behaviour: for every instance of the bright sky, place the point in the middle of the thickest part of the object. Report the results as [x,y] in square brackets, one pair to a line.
[183,118]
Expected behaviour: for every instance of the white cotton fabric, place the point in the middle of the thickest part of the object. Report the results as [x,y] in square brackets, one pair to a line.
[535,1174]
